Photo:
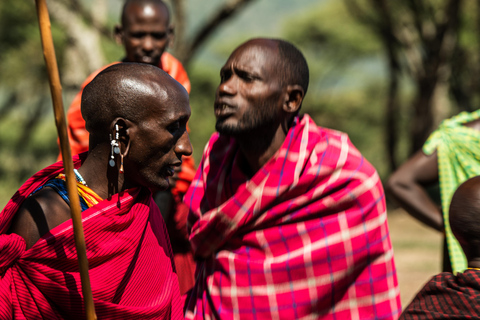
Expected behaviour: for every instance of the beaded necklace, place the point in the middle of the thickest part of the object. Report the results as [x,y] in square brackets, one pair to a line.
[79,177]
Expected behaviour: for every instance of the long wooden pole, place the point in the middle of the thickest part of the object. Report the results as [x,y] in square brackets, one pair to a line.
[56,90]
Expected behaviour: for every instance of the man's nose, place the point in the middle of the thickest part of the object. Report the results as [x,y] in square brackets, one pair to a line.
[147,44]
[228,87]
[184,146]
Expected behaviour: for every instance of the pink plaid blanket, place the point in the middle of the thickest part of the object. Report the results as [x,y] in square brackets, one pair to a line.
[131,265]
[305,237]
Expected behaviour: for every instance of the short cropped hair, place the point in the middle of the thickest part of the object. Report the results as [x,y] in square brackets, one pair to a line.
[294,64]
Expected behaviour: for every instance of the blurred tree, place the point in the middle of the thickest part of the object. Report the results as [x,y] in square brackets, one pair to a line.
[429,49]
[419,38]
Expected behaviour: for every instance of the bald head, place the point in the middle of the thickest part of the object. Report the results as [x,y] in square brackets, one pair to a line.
[464,216]
[120,91]
[157,4]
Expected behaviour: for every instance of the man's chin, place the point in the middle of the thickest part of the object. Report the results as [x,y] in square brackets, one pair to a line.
[149,60]
[226,129]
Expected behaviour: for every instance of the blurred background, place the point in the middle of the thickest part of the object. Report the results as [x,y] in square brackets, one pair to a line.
[385,72]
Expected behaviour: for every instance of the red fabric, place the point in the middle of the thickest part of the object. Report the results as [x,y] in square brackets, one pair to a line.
[182,251]
[131,266]
[447,296]
[306,236]
[78,135]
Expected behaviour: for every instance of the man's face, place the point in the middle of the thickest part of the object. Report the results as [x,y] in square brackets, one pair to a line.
[145,33]
[250,94]
[159,141]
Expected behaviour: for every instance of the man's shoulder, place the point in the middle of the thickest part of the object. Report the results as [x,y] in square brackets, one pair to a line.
[175,69]
[334,148]
[323,132]
[331,137]
[38,214]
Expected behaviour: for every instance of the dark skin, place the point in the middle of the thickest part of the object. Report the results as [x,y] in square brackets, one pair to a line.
[464,219]
[407,186]
[251,88]
[152,147]
[145,31]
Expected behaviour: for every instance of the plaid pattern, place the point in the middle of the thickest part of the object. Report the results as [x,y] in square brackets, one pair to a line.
[458,152]
[131,266]
[447,296]
[305,237]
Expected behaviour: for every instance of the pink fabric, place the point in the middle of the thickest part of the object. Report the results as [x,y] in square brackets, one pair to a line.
[306,236]
[131,266]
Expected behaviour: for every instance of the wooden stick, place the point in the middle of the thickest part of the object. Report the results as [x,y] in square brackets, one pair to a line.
[56,90]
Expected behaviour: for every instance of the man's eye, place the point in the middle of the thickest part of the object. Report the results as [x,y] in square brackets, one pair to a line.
[137,35]
[159,35]
[224,76]
[246,76]
[173,127]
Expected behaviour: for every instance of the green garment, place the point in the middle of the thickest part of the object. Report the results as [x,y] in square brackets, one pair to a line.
[458,152]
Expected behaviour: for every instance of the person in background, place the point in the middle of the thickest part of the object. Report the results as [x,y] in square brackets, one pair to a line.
[288,219]
[450,156]
[449,296]
[144,32]
[133,150]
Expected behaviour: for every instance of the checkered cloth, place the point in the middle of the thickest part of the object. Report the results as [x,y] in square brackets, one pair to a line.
[447,296]
[305,237]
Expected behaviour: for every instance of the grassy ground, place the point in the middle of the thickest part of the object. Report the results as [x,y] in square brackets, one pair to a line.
[417,251]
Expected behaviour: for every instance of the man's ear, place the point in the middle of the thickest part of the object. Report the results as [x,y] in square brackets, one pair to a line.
[118,33]
[293,98]
[121,130]
[171,36]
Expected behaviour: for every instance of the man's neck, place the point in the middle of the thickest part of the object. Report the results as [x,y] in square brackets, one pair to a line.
[104,180]
[256,149]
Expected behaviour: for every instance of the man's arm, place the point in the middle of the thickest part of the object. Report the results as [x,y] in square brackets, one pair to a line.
[39,214]
[407,186]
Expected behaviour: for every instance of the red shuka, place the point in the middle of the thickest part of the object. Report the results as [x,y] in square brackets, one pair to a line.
[131,263]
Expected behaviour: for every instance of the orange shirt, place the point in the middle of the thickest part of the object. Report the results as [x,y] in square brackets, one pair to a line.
[78,136]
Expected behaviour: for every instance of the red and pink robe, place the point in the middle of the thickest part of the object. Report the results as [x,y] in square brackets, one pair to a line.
[130,259]
[305,237]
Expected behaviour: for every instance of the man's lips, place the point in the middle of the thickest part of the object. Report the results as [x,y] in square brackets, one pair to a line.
[223,110]
[146,59]
[168,171]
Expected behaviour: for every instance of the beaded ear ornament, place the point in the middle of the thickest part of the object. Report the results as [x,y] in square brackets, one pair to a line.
[115,149]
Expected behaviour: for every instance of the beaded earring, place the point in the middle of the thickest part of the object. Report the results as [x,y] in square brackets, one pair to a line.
[115,148]
[121,164]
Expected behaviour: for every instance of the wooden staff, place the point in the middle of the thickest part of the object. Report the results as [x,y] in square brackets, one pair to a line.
[56,90]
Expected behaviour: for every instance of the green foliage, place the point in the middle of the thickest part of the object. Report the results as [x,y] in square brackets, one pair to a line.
[202,121]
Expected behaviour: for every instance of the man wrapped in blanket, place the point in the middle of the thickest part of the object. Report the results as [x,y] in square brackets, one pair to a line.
[287,220]
[136,115]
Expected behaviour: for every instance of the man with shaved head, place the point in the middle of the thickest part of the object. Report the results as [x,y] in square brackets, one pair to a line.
[145,32]
[448,296]
[288,220]
[136,115]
